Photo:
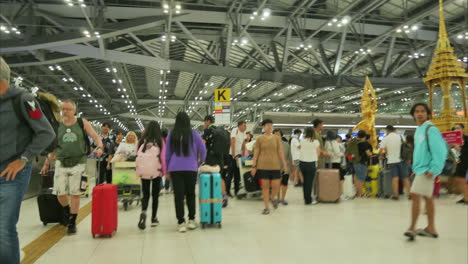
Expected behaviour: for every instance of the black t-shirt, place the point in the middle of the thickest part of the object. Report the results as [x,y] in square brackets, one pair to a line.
[464,150]
[363,147]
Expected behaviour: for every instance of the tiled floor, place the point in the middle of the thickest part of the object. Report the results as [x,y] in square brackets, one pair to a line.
[358,231]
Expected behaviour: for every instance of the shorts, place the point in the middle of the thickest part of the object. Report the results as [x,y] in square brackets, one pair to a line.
[423,186]
[461,170]
[269,174]
[399,170]
[361,171]
[67,181]
[296,164]
[284,179]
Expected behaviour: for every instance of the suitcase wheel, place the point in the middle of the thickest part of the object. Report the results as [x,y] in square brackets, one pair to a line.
[44,223]
[94,236]
[219,225]
[125,205]
[203,225]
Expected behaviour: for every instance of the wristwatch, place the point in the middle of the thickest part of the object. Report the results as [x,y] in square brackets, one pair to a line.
[24,160]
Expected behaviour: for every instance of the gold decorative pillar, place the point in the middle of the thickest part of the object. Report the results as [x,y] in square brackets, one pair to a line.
[446,71]
[368,112]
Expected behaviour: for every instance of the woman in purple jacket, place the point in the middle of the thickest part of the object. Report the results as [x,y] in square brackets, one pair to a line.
[185,151]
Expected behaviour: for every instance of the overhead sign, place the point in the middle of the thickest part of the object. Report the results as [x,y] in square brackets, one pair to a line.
[453,137]
[222,95]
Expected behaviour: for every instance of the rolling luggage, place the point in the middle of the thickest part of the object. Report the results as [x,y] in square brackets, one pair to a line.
[349,190]
[371,186]
[50,210]
[385,182]
[104,210]
[211,200]
[327,186]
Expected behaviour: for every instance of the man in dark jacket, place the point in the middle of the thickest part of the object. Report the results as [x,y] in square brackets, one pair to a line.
[20,140]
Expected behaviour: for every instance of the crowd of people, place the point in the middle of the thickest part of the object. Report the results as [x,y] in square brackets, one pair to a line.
[177,155]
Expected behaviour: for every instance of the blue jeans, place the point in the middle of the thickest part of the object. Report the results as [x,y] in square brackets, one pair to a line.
[308,170]
[399,169]
[361,171]
[11,196]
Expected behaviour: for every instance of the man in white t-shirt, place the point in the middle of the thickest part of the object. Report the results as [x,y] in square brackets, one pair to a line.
[237,148]
[295,153]
[391,145]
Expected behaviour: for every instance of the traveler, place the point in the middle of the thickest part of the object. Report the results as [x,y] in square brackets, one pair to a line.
[295,155]
[22,140]
[285,176]
[118,139]
[150,167]
[185,151]
[360,167]
[105,169]
[336,152]
[318,128]
[268,153]
[71,156]
[237,144]
[391,145]
[430,153]
[462,166]
[310,150]
[214,157]
[248,139]
[126,150]
[167,182]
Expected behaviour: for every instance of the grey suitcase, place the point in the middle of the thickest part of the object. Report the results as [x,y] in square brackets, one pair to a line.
[385,181]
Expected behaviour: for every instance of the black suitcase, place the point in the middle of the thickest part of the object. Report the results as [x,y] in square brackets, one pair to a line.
[251,182]
[50,210]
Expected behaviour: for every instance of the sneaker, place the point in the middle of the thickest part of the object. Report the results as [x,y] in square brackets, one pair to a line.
[142,222]
[395,198]
[314,202]
[275,204]
[182,228]
[154,222]
[462,202]
[71,229]
[284,202]
[225,201]
[192,225]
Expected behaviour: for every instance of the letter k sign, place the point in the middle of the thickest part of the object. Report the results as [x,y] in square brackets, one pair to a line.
[222,95]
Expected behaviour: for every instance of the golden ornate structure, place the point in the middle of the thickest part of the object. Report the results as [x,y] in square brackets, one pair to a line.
[446,71]
[368,112]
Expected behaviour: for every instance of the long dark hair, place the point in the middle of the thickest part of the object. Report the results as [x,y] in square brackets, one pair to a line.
[331,135]
[309,133]
[152,135]
[181,135]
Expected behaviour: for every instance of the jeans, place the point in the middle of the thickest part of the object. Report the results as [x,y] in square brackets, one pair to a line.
[11,196]
[105,175]
[183,184]
[308,170]
[399,169]
[361,171]
[146,186]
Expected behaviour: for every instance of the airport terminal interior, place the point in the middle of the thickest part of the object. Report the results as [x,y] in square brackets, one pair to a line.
[344,86]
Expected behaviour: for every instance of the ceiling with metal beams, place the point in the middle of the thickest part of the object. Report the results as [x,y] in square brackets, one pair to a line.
[127,61]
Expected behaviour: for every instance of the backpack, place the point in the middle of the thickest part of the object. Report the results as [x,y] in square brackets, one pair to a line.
[148,163]
[405,151]
[50,108]
[451,160]
[220,142]
[352,151]
[85,136]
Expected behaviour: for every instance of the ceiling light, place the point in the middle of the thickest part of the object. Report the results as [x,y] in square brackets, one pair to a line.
[335,20]
[330,24]
[414,28]
[81,88]
[70,4]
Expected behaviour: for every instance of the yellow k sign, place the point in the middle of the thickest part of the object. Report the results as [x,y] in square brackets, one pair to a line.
[222,95]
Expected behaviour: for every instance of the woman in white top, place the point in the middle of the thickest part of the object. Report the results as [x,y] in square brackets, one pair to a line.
[126,149]
[309,154]
[332,146]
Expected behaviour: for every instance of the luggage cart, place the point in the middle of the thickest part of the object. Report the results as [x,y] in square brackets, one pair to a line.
[250,186]
[128,184]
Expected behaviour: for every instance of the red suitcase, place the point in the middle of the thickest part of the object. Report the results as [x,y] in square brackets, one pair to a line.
[104,212]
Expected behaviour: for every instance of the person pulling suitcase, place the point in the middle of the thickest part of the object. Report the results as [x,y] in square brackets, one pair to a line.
[70,161]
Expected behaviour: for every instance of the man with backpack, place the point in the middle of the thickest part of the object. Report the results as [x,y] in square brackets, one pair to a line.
[23,136]
[71,155]
[217,144]
[430,153]
[397,156]
[358,152]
